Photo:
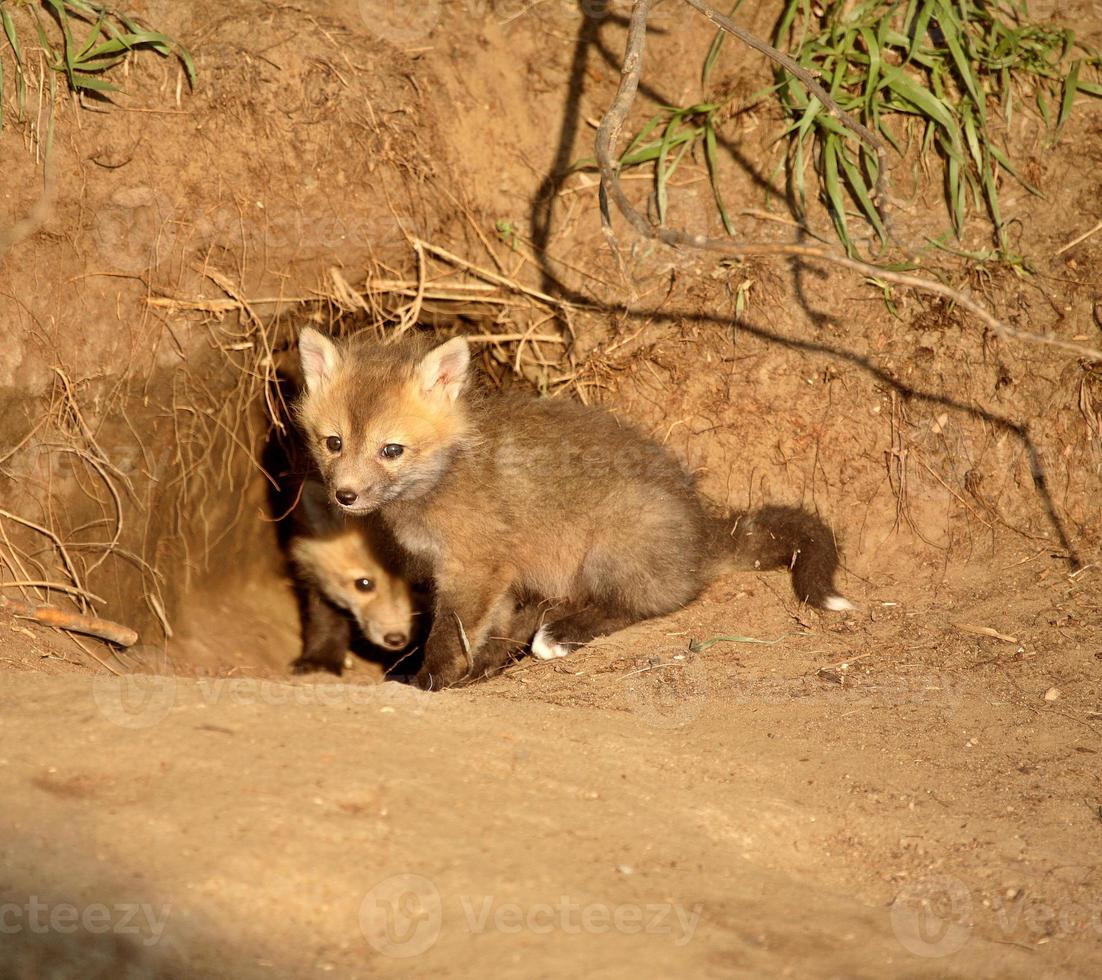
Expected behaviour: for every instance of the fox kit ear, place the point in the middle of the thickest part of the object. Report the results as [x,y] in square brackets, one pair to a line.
[444,368]
[320,359]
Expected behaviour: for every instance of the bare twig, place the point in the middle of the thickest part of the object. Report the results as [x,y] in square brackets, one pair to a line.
[446,256]
[51,586]
[501,338]
[410,314]
[1080,238]
[609,131]
[73,622]
[70,568]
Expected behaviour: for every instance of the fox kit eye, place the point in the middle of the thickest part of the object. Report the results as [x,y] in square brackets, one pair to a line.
[333,444]
[392,450]
[364,585]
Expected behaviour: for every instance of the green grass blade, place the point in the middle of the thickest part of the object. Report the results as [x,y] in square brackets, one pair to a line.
[652,151]
[955,191]
[716,47]
[1071,86]
[712,160]
[648,128]
[991,197]
[12,36]
[99,64]
[1042,107]
[784,24]
[93,36]
[873,74]
[1004,162]
[661,167]
[919,28]
[67,49]
[17,51]
[922,99]
[81,81]
[952,31]
[833,187]
[855,180]
[699,646]
[124,43]
[971,137]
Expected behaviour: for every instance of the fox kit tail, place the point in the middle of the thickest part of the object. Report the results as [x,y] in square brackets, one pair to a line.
[783,537]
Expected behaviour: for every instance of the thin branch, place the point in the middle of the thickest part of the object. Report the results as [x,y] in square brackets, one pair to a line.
[446,256]
[1080,238]
[609,131]
[104,629]
[70,568]
[55,586]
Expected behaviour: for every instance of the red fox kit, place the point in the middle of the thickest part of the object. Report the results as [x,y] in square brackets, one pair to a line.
[512,500]
[346,570]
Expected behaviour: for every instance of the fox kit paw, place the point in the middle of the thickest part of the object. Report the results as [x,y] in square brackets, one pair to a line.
[313,665]
[437,675]
[545,648]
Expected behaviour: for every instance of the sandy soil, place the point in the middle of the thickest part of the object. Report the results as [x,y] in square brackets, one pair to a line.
[744,788]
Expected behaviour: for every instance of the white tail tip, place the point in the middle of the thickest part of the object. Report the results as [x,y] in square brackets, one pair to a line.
[835,603]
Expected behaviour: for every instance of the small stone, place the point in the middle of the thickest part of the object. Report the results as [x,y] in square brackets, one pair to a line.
[1052,694]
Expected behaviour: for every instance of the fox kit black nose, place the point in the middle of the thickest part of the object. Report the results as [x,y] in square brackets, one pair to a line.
[345,497]
[395,640]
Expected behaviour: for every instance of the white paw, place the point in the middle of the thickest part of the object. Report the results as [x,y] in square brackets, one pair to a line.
[835,603]
[545,648]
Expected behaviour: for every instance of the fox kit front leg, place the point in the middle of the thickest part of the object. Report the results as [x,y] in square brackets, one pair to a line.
[326,635]
[467,614]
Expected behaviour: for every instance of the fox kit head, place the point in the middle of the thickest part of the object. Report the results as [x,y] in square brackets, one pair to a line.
[341,558]
[382,421]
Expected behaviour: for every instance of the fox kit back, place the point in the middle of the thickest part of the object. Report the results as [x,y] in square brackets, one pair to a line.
[538,503]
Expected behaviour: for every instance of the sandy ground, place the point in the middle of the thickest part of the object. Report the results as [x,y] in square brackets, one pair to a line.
[744,788]
[841,804]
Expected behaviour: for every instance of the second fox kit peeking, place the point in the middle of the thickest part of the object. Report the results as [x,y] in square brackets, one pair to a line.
[345,572]
[513,501]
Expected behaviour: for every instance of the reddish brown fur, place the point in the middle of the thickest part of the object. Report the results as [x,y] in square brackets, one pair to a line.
[509,499]
[330,554]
